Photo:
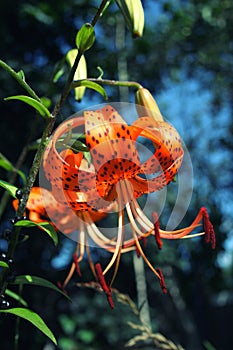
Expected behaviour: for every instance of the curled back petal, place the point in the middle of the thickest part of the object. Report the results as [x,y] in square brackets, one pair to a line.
[144,186]
[166,141]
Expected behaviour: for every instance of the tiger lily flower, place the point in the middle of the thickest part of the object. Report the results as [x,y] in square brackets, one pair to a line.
[117,175]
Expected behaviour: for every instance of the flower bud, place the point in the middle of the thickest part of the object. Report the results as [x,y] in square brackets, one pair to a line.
[85,37]
[146,105]
[133,13]
[80,73]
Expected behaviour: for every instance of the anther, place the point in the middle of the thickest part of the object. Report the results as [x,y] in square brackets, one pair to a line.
[162,281]
[208,228]
[75,258]
[156,231]
[102,282]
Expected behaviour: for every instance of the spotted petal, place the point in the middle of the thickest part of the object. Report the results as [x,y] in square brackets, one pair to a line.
[110,141]
[166,141]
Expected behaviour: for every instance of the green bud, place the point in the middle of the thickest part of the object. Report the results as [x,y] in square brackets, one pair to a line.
[80,73]
[133,13]
[85,37]
[146,104]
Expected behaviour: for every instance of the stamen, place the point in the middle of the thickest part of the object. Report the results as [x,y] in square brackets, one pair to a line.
[156,231]
[102,282]
[162,281]
[120,237]
[208,228]
[91,264]
[70,274]
[143,254]
[141,217]
[76,262]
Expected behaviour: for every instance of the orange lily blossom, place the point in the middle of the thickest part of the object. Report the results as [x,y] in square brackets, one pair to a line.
[115,175]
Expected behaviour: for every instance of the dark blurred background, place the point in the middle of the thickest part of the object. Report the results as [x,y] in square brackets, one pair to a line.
[185,59]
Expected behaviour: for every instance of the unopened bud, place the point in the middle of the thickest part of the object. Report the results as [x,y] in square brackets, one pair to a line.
[85,37]
[146,104]
[133,13]
[80,73]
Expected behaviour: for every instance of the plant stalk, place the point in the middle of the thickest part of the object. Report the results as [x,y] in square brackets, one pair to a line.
[143,305]
[108,82]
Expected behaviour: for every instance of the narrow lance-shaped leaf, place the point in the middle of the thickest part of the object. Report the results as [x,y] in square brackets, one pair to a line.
[38,281]
[11,189]
[16,296]
[91,85]
[7,165]
[45,226]
[32,317]
[44,112]
[3,264]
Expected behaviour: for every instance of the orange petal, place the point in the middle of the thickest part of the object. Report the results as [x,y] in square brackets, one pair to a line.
[166,140]
[113,151]
[53,163]
[143,186]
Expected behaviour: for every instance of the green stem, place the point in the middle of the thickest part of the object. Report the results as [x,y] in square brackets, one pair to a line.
[22,82]
[68,86]
[100,11]
[109,82]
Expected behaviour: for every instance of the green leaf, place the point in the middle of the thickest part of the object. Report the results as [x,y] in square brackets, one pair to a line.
[79,146]
[85,37]
[7,165]
[46,101]
[44,112]
[21,74]
[58,75]
[91,85]
[3,264]
[11,189]
[38,281]
[16,297]
[32,317]
[45,226]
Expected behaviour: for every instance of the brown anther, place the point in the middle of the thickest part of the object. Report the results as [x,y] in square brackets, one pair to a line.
[156,231]
[162,281]
[75,258]
[102,282]
[208,228]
